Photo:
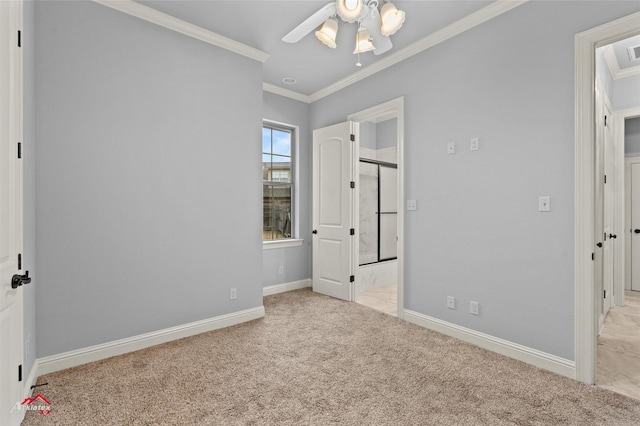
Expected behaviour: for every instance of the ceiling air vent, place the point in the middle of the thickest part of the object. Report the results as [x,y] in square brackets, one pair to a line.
[634,53]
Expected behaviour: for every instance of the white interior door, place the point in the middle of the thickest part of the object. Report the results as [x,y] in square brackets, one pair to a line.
[333,210]
[609,234]
[10,211]
[635,225]
[599,208]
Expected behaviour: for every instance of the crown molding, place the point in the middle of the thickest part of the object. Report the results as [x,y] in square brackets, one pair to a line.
[486,13]
[614,68]
[154,16]
[272,88]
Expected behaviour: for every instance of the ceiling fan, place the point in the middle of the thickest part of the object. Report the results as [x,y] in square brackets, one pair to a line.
[374,26]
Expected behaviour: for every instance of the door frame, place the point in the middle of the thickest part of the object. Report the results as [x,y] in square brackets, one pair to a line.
[585,298]
[627,172]
[385,111]
[623,268]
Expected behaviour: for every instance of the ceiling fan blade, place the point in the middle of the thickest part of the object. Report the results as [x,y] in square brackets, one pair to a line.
[372,23]
[311,23]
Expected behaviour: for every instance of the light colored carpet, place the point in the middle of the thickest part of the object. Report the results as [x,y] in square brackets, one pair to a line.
[314,360]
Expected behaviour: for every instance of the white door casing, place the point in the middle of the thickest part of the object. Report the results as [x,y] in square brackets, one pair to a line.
[333,210]
[10,211]
[584,137]
[634,223]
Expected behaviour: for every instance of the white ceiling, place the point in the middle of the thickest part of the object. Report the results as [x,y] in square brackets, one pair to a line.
[262,23]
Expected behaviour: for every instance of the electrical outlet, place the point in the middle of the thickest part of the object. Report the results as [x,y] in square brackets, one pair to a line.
[451,302]
[233,294]
[281,270]
[473,308]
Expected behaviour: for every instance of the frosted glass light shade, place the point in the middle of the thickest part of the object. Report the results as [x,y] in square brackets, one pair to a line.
[363,41]
[350,10]
[392,19]
[327,34]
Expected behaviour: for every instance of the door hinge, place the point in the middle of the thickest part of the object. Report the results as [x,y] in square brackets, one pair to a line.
[352,278]
[20,373]
[593,256]
[605,294]
[19,260]
[605,236]
[605,121]
[19,149]
[605,178]
[353,137]
[19,38]
[352,231]
[353,184]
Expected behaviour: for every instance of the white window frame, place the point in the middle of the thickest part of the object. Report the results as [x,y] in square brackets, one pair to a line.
[294,241]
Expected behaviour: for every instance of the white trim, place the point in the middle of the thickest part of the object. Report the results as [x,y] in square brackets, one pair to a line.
[287,93]
[283,288]
[522,353]
[82,356]
[486,13]
[178,25]
[31,380]
[278,244]
[614,67]
[391,109]
[585,303]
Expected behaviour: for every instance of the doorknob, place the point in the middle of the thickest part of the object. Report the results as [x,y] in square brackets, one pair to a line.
[599,244]
[637,231]
[18,280]
[315,231]
[613,236]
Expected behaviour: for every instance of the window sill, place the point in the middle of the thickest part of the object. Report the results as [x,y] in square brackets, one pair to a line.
[293,242]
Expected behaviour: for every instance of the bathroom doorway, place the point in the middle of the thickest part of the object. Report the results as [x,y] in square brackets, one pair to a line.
[377,284]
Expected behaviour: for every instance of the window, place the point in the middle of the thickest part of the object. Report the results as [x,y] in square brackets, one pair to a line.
[277,182]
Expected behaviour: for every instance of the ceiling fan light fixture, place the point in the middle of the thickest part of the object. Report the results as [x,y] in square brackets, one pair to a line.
[363,41]
[392,19]
[350,10]
[327,34]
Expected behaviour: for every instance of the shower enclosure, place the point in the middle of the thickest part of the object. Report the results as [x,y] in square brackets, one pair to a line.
[378,211]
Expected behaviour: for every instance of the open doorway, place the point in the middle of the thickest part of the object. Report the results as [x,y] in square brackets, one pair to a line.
[617,150]
[379,213]
[377,286]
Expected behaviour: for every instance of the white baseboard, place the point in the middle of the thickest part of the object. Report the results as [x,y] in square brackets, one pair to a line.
[281,288]
[82,356]
[537,358]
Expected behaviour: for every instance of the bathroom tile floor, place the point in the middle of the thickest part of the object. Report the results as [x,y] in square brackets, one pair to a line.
[384,299]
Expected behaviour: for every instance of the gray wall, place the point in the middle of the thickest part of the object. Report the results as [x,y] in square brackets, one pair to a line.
[477,233]
[148,201]
[295,260]
[625,93]
[387,134]
[632,137]
[29,248]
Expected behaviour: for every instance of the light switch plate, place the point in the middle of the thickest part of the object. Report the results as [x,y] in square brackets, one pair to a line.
[474,145]
[412,205]
[544,204]
[451,148]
